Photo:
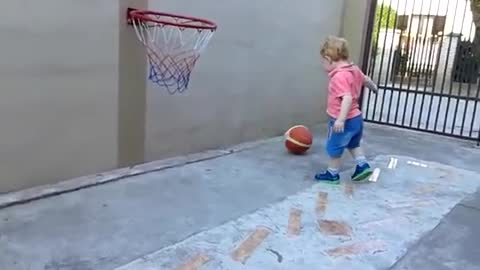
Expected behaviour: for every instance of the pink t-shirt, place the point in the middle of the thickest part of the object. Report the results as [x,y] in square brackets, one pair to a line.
[344,80]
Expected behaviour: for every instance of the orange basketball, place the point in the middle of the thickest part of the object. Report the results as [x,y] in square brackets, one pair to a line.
[298,139]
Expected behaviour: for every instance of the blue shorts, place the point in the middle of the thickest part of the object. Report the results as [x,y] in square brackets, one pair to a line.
[350,138]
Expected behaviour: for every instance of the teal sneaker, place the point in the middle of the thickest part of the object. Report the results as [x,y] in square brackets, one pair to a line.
[328,177]
[362,173]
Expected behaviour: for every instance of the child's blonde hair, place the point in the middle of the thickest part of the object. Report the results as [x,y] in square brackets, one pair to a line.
[335,48]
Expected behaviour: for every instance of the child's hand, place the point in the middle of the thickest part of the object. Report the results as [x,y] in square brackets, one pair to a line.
[370,84]
[339,126]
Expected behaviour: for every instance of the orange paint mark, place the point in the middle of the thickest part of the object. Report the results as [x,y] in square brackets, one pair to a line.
[194,263]
[335,228]
[295,222]
[371,247]
[322,202]
[246,249]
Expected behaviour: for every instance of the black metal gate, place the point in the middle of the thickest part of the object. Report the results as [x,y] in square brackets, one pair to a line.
[425,57]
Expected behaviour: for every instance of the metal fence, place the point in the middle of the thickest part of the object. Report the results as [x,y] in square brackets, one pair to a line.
[424,56]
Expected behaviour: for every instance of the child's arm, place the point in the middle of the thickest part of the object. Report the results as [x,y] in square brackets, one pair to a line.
[345,108]
[339,124]
[370,84]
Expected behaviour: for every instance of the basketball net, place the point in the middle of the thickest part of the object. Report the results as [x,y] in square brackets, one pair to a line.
[174,45]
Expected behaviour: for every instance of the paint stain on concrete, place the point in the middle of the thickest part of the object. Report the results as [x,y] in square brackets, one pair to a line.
[446,173]
[295,222]
[194,263]
[277,254]
[248,247]
[322,202]
[334,228]
[370,247]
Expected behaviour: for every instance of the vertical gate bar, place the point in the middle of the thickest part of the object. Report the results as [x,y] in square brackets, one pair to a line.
[388,64]
[409,35]
[368,94]
[381,63]
[426,69]
[421,67]
[462,67]
[374,64]
[429,77]
[372,59]
[401,75]
[391,64]
[477,96]
[445,70]
[478,137]
[429,63]
[435,76]
[370,34]
[450,92]
[478,140]
[442,94]
[366,67]
[467,100]
[414,65]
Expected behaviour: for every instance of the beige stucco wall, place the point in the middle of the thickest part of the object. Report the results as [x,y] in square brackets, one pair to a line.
[58,90]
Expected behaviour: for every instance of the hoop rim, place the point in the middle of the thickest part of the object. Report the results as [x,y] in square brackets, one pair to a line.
[146,15]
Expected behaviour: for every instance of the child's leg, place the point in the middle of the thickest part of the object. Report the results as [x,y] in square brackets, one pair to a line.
[332,173]
[362,170]
[335,163]
[336,144]
[358,155]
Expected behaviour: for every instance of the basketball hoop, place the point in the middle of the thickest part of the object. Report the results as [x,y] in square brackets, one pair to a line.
[174,44]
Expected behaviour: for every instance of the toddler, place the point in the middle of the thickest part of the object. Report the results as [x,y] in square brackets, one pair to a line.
[345,127]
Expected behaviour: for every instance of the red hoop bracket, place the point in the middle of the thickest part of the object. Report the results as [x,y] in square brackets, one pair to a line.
[129,17]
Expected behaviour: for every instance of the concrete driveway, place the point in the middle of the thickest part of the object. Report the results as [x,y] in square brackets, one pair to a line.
[258,208]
